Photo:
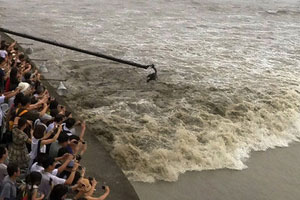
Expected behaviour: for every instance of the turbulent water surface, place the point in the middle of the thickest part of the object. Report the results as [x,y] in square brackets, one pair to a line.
[228,76]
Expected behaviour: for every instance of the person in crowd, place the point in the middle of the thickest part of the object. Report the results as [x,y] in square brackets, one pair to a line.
[3,166]
[53,104]
[38,166]
[49,180]
[13,81]
[59,192]
[71,148]
[25,68]
[21,58]
[9,188]
[68,126]
[17,101]
[58,119]
[2,100]
[54,112]
[2,73]
[27,78]
[3,52]
[33,180]
[62,142]
[8,95]
[9,47]
[75,147]
[68,114]
[30,112]
[40,140]
[11,114]
[42,94]
[4,62]
[18,152]
[86,189]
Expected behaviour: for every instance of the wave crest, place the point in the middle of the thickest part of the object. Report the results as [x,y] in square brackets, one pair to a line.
[210,129]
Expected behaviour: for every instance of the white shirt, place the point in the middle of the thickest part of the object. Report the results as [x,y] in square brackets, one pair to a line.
[70,132]
[50,127]
[45,186]
[36,168]
[3,53]
[55,180]
[34,148]
[2,98]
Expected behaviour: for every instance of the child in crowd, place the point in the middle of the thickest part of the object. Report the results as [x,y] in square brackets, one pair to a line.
[31,192]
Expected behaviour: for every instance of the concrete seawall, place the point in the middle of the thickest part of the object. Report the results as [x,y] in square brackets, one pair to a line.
[97,160]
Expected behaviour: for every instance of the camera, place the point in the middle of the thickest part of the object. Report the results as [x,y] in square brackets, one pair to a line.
[90,178]
[78,157]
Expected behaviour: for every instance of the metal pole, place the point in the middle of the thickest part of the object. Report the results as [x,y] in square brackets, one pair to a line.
[76,49]
[52,79]
[37,59]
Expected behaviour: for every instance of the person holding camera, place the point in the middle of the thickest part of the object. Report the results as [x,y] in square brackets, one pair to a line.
[49,180]
[40,140]
[86,188]
[59,192]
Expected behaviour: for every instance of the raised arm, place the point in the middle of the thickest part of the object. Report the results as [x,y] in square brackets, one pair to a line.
[102,197]
[83,127]
[38,104]
[45,108]
[11,46]
[12,94]
[72,175]
[63,166]
[48,134]
[49,141]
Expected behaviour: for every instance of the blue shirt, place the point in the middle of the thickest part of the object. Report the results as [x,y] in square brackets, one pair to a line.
[9,189]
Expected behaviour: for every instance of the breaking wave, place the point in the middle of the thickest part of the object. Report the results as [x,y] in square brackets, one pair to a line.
[186,128]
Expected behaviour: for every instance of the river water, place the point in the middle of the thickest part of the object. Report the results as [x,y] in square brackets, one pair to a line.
[227,76]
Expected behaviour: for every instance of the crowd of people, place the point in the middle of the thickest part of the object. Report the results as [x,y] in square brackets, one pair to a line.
[41,147]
